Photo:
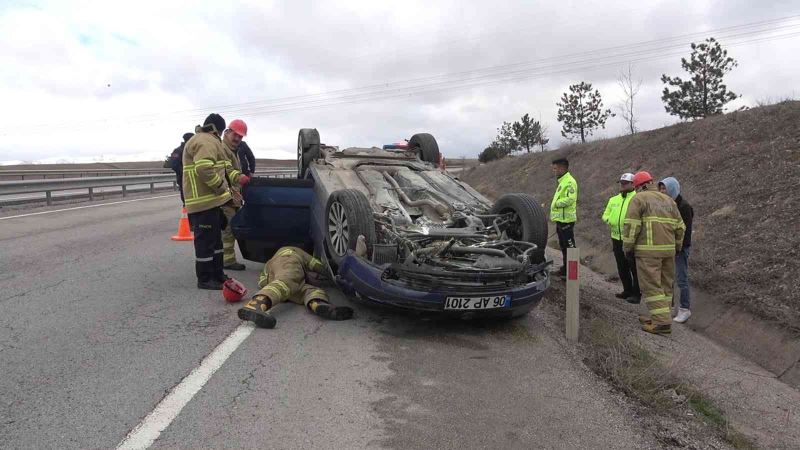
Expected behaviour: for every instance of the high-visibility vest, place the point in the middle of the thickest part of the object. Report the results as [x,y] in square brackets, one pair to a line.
[564,207]
[614,215]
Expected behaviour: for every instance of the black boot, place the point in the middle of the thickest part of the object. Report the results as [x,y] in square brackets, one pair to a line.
[623,295]
[211,285]
[235,266]
[331,312]
[257,311]
[634,299]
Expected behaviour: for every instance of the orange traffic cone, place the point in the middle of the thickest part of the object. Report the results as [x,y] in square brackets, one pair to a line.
[183,228]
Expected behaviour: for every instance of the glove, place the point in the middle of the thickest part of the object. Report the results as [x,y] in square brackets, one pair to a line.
[244,179]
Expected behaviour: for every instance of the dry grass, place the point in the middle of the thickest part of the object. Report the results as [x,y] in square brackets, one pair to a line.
[634,370]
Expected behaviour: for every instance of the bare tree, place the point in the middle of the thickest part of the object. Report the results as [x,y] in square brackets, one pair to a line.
[630,88]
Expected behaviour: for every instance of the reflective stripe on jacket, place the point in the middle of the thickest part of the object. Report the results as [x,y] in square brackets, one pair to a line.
[653,226]
[204,183]
[614,215]
[564,207]
[233,171]
[303,259]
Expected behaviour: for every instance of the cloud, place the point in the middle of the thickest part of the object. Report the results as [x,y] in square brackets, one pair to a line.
[130,78]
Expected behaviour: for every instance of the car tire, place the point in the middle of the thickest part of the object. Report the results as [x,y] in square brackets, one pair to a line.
[426,146]
[531,221]
[308,149]
[347,215]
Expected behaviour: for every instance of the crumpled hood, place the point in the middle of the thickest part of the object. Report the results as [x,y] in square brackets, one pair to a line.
[673,187]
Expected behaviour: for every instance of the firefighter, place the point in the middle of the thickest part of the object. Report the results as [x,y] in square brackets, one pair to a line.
[287,276]
[653,234]
[564,209]
[614,217]
[206,189]
[230,141]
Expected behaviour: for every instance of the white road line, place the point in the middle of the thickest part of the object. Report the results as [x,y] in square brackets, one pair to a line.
[89,206]
[168,409]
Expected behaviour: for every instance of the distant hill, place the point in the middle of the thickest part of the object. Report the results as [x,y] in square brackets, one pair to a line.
[740,171]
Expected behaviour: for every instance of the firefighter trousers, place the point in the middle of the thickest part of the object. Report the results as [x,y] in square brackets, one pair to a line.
[655,281]
[207,226]
[284,279]
[228,241]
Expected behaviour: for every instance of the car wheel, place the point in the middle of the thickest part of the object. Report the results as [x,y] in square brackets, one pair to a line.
[307,149]
[529,222]
[426,146]
[348,214]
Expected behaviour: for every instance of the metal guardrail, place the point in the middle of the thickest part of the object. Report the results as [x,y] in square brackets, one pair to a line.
[63,173]
[91,183]
[80,173]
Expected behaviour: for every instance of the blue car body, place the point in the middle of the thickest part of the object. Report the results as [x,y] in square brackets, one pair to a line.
[279,212]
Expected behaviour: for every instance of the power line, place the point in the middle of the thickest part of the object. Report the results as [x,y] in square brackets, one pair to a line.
[471,78]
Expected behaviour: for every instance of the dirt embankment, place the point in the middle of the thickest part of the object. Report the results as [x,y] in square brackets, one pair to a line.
[740,171]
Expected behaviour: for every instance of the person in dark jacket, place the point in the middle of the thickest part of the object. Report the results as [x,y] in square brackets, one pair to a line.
[671,187]
[175,162]
[246,158]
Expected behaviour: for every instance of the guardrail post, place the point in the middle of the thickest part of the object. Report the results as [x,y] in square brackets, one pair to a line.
[91,194]
[152,187]
[49,197]
[174,185]
[124,191]
[573,289]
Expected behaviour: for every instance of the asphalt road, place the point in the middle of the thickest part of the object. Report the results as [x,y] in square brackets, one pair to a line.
[100,319]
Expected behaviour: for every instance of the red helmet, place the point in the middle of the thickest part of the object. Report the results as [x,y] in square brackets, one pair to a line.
[239,127]
[641,178]
[233,291]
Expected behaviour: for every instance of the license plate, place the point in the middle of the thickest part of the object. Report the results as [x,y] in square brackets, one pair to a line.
[471,303]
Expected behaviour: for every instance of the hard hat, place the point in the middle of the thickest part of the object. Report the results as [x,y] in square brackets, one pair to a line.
[187,136]
[627,176]
[641,178]
[239,127]
[233,291]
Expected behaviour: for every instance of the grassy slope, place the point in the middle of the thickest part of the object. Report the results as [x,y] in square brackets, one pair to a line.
[740,171]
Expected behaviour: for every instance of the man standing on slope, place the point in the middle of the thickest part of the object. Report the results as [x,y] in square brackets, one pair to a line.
[564,209]
[614,216]
[671,187]
[653,233]
[230,142]
[206,189]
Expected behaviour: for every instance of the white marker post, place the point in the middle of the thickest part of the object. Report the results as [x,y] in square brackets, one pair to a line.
[573,289]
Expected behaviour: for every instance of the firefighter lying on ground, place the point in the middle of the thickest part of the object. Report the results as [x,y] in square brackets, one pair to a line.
[288,276]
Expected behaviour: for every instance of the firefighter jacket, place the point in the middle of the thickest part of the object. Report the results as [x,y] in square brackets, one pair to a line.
[284,273]
[614,215]
[653,226]
[564,207]
[204,182]
[233,171]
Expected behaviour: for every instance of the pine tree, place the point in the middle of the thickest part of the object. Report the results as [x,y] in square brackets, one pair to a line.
[526,132]
[505,142]
[581,111]
[705,94]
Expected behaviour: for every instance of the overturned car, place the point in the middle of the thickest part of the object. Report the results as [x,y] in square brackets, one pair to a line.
[433,243]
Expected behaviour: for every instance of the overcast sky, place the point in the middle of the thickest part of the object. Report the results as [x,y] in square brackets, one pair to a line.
[81,81]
